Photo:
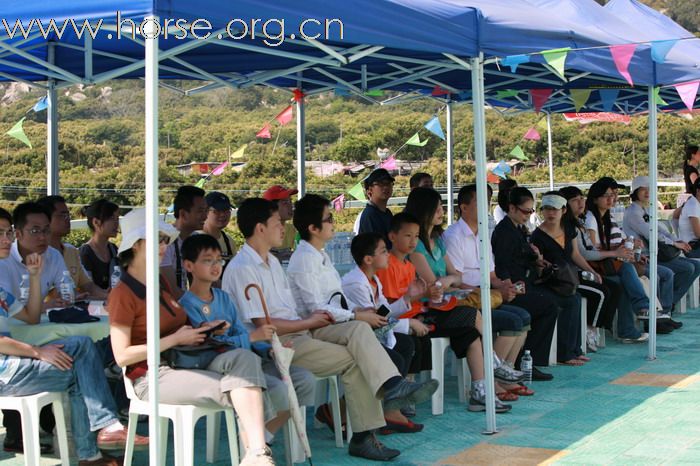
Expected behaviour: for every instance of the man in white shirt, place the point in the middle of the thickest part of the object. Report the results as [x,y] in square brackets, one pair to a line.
[190,210]
[349,349]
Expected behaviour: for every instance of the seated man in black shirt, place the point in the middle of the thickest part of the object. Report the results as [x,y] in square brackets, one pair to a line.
[376,217]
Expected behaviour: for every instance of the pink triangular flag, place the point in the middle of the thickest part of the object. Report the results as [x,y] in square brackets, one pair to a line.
[622,55]
[264,132]
[389,164]
[688,91]
[539,98]
[220,169]
[285,116]
[339,202]
[532,135]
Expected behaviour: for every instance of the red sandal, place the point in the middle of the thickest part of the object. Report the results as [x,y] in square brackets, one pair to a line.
[507,396]
[522,390]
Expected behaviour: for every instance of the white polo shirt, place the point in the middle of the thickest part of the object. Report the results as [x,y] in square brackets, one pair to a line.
[248,267]
[463,250]
[12,268]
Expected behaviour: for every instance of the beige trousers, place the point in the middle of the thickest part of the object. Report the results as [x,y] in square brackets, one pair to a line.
[352,350]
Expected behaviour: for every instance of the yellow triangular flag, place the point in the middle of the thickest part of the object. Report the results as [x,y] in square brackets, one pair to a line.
[518,153]
[556,58]
[580,97]
[542,124]
[17,132]
[239,153]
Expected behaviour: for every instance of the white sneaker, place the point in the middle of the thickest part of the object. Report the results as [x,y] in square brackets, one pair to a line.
[592,339]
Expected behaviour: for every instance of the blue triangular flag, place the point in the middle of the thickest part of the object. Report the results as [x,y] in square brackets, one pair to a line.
[341,91]
[660,48]
[434,127]
[41,104]
[514,60]
[464,95]
[608,98]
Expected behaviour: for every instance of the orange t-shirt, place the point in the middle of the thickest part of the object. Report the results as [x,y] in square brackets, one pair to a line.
[126,306]
[395,280]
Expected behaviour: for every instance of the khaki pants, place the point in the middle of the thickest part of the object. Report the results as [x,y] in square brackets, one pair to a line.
[352,350]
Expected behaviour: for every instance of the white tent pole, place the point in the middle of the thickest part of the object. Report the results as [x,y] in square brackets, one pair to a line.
[52,130]
[450,167]
[301,147]
[152,246]
[653,221]
[477,68]
[549,151]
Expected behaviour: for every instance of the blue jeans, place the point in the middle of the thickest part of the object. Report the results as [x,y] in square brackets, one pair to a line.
[509,320]
[92,407]
[625,311]
[633,287]
[665,286]
[685,271]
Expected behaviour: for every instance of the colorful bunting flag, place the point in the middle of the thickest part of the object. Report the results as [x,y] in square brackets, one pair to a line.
[298,95]
[464,95]
[339,203]
[389,163]
[415,141]
[437,91]
[580,97]
[688,92]
[434,127]
[608,98]
[657,97]
[239,153]
[501,170]
[17,132]
[264,132]
[506,93]
[532,135]
[200,183]
[622,55]
[514,60]
[358,192]
[518,153]
[374,93]
[542,124]
[660,48]
[539,98]
[41,104]
[341,91]
[220,169]
[556,58]
[285,116]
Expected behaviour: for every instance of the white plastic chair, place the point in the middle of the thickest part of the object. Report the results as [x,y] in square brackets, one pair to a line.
[584,324]
[327,390]
[553,347]
[439,346]
[29,408]
[184,419]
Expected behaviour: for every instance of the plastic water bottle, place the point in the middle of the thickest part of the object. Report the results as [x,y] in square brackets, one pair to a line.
[24,289]
[67,288]
[526,367]
[115,277]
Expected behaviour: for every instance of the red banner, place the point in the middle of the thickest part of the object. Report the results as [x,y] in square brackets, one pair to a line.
[585,118]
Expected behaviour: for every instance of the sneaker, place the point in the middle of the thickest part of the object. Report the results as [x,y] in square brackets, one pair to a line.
[505,374]
[641,339]
[406,392]
[644,315]
[592,340]
[477,402]
[371,448]
[262,457]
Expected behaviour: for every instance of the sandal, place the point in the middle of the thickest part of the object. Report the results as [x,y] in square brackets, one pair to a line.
[507,396]
[522,390]
[572,362]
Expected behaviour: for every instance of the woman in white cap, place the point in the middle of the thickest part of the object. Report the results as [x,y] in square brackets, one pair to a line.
[557,246]
[636,223]
[233,379]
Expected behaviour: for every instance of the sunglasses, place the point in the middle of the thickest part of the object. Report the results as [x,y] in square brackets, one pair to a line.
[526,211]
[164,239]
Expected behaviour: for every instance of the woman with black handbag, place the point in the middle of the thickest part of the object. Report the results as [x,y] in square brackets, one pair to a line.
[557,246]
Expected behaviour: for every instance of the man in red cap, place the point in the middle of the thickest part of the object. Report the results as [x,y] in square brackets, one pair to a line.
[283,198]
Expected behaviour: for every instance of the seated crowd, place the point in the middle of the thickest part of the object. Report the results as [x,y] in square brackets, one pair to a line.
[412,281]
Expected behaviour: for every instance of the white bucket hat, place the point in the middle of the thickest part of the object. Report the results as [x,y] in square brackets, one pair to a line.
[553,200]
[133,226]
[639,182]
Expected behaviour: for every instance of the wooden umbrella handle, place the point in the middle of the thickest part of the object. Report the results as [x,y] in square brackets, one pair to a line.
[262,299]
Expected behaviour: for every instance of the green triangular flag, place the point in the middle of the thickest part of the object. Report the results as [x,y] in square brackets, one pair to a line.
[657,97]
[518,153]
[580,97]
[358,192]
[374,93]
[556,58]
[17,132]
[200,183]
[507,93]
[415,141]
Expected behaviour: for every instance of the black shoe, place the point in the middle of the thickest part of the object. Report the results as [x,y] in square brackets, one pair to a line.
[406,392]
[540,376]
[15,446]
[372,449]
[663,327]
[676,324]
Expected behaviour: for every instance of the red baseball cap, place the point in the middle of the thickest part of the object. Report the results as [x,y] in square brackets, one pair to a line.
[277,192]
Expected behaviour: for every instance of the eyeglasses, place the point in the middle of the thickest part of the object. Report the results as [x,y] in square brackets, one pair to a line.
[383,184]
[526,211]
[39,231]
[328,219]
[164,239]
[63,215]
[212,262]
[8,234]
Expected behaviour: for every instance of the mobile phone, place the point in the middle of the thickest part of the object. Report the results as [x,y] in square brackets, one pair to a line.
[383,311]
[216,327]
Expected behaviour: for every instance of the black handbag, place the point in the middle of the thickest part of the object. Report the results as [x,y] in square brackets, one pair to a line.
[193,356]
[667,252]
[561,279]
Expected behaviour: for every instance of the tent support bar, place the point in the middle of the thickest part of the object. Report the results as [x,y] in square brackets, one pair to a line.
[301,148]
[450,163]
[653,220]
[52,131]
[152,218]
[549,151]
[477,71]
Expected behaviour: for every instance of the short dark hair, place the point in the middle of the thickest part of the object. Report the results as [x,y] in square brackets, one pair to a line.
[184,199]
[504,187]
[401,219]
[252,211]
[364,245]
[309,211]
[49,203]
[5,215]
[101,209]
[195,244]
[690,149]
[570,192]
[466,194]
[19,215]
[415,180]
[518,195]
